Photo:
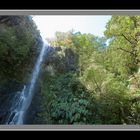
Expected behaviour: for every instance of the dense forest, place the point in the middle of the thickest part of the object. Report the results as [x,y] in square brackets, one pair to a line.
[83,80]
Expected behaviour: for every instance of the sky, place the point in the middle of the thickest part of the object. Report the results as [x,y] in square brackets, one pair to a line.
[49,24]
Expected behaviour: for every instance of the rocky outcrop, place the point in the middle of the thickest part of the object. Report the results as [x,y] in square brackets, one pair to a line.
[58,60]
[61,60]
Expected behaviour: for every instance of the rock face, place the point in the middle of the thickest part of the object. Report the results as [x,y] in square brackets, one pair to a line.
[20,44]
[7,93]
[61,60]
[58,60]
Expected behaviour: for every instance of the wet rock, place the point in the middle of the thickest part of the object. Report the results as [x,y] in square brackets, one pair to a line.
[7,92]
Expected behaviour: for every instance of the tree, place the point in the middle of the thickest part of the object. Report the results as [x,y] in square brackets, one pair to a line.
[18,36]
[125,31]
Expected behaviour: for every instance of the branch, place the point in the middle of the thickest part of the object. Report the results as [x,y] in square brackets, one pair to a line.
[126,51]
[129,40]
[134,38]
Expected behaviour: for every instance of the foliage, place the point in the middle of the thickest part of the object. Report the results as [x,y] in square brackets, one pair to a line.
[100,93]
[70,110]
[83,81]
[66,99]
[124,31]
[16,48]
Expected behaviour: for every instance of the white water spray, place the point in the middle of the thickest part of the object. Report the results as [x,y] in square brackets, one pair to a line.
[22,100]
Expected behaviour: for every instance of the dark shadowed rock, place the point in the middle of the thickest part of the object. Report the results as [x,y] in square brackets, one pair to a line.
[9,86]
[62,59]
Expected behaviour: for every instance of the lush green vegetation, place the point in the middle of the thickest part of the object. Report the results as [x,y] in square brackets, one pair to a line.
[19,47]
[18,38]
[83,81]
[104,87]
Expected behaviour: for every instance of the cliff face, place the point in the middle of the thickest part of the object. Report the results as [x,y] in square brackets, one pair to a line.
[59,63]
[20,44]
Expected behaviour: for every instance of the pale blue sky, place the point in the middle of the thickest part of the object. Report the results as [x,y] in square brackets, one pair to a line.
[49,24]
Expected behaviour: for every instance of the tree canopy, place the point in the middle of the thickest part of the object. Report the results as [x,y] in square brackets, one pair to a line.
[105,81]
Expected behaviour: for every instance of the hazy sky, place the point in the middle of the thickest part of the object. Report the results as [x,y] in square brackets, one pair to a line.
[48,25]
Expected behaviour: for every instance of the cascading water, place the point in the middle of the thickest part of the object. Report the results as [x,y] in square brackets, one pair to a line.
[22,100]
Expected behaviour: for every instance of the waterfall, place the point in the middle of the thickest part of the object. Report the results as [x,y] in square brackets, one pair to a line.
[22,99]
